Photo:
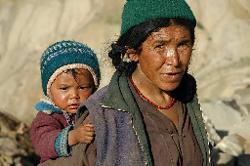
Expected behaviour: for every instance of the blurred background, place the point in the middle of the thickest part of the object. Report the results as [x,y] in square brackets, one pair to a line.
[220,63]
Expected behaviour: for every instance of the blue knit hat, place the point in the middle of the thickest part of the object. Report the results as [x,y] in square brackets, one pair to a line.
[64,55]
[138,11]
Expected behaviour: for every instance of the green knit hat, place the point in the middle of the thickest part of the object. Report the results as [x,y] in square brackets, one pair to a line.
[138,11]
[64,55]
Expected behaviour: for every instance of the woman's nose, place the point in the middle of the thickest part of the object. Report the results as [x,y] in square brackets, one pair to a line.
[172,57]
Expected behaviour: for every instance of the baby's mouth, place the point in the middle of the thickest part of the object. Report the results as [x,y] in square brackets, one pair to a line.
[74,106]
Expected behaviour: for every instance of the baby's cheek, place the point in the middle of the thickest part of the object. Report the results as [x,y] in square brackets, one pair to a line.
[84,96]
[62,96]
[62,99]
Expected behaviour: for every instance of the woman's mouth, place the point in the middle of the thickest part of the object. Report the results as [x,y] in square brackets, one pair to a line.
[172,76]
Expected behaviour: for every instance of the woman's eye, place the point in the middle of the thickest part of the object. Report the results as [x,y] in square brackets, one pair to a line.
[159,46]
[184,45]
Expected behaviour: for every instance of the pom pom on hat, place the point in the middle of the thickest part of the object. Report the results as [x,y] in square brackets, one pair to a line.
[65,55]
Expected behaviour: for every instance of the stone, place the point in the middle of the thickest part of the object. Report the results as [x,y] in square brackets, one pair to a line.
[232,145]
[247,147]
[15,144]
[226,160]
[222,116]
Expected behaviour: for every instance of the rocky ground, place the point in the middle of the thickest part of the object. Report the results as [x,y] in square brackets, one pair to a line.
[15,144]
[220,63]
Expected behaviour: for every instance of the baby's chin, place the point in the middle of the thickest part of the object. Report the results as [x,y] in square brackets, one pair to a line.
[72,111]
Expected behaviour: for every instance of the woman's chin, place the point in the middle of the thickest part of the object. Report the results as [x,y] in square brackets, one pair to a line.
[169,87]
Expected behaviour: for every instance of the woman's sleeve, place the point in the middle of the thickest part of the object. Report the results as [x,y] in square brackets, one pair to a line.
[77,158]
[90,154]
[44,131]
[89,150]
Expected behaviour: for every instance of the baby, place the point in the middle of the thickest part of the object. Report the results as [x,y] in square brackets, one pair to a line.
[70,74]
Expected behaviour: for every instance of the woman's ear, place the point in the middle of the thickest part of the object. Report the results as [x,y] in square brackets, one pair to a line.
[133,56]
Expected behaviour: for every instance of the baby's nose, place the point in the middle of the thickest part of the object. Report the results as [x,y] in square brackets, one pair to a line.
[74,93]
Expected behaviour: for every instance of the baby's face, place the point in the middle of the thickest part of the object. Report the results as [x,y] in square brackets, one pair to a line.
[67,91]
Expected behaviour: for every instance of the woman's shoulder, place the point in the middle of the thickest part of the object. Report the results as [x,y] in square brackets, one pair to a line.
[92,103]
[98,95]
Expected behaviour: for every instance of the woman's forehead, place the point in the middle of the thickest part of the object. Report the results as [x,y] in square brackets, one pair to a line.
[170,32]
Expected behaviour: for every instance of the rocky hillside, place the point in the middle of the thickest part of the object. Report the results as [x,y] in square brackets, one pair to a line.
[27,27]
[221,59]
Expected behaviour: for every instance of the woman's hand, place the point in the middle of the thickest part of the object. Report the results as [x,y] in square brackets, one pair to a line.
[81,134]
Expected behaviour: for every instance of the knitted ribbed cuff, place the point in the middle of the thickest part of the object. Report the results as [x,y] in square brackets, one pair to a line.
[61,143]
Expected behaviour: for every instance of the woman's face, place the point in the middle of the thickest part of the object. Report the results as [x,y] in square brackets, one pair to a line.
[164,57]
[68,92]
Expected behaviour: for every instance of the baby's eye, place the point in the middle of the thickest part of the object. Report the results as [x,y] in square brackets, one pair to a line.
[84,87]
[63,88]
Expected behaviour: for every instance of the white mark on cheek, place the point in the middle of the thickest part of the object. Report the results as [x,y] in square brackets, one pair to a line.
[63,97]
[170,52]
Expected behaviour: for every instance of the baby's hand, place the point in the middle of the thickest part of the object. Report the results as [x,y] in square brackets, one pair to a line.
[82,134]
[86,133]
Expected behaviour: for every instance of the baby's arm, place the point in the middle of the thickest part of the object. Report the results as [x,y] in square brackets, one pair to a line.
[81,134]
[44,131]
[81,154]
[69,137]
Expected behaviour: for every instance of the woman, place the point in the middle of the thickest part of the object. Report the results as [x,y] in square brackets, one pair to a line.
[149,113]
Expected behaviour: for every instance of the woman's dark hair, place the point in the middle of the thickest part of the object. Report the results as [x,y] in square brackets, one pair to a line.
[134,38]
[186,90]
